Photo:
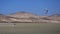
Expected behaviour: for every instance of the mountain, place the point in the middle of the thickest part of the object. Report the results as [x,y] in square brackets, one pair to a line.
[55,17]
[3,18]
[26,17]
[23,15]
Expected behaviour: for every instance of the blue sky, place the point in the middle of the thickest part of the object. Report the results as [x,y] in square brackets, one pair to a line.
[33,6]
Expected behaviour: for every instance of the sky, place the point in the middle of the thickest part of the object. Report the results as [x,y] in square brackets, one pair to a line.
[33,6]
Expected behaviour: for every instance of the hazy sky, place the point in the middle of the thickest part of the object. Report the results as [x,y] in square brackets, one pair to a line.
[33,6]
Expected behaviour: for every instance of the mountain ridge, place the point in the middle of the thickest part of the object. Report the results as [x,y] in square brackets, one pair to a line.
[28,17]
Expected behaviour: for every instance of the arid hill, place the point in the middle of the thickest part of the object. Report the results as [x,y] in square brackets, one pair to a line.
[25,17]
